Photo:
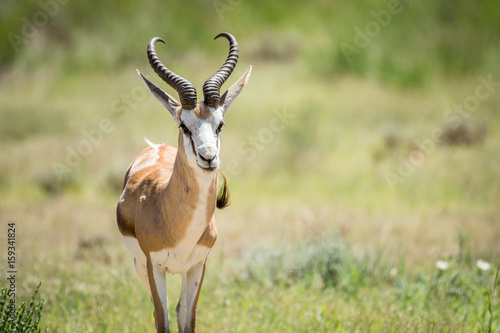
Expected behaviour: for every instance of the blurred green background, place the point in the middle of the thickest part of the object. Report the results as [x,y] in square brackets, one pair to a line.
[365,147]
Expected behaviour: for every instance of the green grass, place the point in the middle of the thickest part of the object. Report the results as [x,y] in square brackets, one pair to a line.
[321,285]
[317,238]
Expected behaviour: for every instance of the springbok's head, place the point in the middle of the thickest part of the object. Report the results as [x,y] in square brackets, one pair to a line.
[200,122]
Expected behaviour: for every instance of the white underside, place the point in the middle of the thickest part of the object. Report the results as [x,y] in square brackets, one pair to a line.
[168,259]
[174,264]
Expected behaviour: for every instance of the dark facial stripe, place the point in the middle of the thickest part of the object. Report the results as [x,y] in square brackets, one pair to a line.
[192,145]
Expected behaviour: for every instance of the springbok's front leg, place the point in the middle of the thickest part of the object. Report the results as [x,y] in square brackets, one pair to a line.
[158,288]
[188,301]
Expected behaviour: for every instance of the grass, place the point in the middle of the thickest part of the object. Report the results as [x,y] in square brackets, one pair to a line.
[320,285]
[88,277]
[318,237]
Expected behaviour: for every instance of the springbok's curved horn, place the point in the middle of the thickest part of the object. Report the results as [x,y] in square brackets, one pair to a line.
[185,89]
[211,88]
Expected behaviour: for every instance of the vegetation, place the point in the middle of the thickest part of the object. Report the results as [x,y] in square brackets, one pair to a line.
[22,319]
[362,161]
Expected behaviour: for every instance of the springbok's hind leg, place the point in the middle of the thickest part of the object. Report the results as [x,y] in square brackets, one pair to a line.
[142,272]
[188,301]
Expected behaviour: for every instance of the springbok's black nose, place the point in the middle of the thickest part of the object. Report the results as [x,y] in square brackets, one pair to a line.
[209,160]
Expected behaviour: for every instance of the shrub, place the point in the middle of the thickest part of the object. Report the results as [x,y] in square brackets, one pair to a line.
[319,262]
[26,318]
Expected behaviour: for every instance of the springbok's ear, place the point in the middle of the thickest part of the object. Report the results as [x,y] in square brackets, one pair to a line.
[165,99]
[230,95]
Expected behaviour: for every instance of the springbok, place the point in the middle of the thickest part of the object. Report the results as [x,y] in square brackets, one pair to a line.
[165,213]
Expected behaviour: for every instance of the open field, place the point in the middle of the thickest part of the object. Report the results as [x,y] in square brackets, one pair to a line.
[350,178]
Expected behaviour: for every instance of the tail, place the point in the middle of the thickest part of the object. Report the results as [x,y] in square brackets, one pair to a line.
[223,196]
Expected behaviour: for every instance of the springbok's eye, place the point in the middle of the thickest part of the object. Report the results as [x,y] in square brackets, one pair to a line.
[184,129]
[219,129]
